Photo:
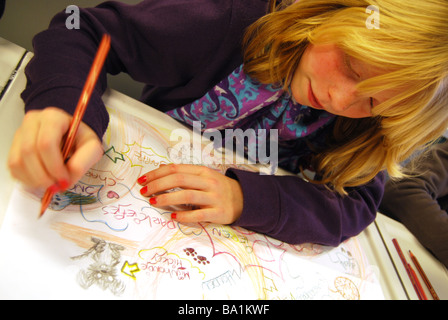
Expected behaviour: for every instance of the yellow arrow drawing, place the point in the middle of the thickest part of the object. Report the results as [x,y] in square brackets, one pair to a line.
[130,269]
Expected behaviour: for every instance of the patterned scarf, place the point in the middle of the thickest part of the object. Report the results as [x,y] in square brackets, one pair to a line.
[239,101]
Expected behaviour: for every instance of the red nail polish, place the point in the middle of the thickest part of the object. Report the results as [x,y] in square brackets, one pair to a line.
[153,200]
[142,179]
[54,188]
[143,190]
[63,184]
[174,215]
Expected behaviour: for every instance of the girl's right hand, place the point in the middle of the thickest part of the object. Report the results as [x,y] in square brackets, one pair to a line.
[35,157]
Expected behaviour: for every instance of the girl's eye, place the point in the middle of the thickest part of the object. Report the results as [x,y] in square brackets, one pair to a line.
[349,66]
[371,102]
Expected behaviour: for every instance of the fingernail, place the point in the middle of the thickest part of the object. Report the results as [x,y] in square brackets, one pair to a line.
[54,188]
[142,179]
[143,190]
[63,184]
[153,200]
[174,215]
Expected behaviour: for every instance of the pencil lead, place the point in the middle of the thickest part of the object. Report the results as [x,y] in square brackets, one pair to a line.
[43,208]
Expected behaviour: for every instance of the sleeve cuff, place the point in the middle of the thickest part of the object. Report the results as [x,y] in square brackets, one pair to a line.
[65,97]
[259,193]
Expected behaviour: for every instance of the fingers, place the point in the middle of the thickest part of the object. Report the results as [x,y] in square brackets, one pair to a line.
[213,196]
[189,216]
[174,169]
[48,145]
[166,184]
[182,197]
[88,150]
[178,180]
[192,178]
[35,156]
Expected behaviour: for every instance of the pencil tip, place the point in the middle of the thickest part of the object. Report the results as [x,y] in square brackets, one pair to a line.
[44,206]
[46,200]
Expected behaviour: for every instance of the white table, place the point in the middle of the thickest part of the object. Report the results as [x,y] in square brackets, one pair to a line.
[13,60]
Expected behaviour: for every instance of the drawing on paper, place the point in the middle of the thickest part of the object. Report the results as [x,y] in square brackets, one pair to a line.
[62,200]
[102,271]
[130,269]
[122,245]
[199,259]
[346,288]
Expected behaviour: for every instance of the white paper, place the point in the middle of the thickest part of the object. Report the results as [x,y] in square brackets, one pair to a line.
[102,240]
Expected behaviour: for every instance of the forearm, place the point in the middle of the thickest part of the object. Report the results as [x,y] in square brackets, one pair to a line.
[59,68]
[290,209]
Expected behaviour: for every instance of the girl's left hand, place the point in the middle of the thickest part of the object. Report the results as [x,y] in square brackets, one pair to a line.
[215,197]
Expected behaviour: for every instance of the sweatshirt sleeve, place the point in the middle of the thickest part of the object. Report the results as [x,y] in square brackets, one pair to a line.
[177,48]
[414,202]
[290,209]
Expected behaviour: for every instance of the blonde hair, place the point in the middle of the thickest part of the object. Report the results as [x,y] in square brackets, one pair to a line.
[410,45]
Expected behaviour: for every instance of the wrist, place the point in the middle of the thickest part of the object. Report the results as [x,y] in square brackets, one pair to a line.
[237,199]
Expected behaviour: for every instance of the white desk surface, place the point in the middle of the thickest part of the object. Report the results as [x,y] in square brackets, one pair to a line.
[10,57]
[376,239]
[11,110]
[435,271]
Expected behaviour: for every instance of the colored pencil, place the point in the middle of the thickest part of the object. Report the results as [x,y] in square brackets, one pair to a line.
[84,99]
[417,282]
[413,279]
[424,277]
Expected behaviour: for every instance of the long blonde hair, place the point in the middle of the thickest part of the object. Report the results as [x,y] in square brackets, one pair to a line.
[410,45]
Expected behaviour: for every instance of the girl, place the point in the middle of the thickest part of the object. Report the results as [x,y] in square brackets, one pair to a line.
[348,101]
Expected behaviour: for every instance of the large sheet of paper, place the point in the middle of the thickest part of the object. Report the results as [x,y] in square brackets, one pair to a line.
[102,240]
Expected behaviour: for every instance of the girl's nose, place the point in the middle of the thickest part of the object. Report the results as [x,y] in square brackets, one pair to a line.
[342,96]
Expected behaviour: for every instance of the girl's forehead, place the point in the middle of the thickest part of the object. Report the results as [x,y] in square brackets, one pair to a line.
[336,52]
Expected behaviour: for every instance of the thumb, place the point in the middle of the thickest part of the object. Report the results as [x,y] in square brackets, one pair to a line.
[88,150]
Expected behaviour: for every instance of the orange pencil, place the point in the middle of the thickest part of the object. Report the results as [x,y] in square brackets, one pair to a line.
[84,99]
[424,277]
[420,292]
